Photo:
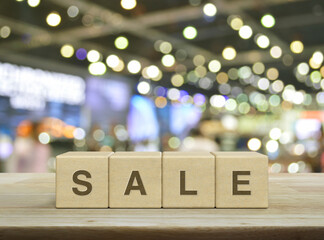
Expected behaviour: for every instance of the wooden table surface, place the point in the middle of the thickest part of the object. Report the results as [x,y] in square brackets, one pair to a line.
[27,211]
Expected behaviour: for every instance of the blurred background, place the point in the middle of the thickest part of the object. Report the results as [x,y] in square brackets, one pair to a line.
[153,75]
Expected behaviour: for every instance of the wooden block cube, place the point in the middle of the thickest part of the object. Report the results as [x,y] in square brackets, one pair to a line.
[135,180]
[82,180]
[188,180]
[241,180]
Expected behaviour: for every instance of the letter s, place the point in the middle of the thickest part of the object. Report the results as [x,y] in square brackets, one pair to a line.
[81,182]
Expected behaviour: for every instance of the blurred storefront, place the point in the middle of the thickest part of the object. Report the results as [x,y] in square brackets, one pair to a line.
[211,77]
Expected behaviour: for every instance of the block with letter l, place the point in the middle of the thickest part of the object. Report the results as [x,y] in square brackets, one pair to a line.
[188,180]
[241,180]
[82,180]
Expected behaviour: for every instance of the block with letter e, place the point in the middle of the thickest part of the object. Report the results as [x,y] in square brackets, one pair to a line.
[188,180]
[241,180]
[82,180]
[135,180]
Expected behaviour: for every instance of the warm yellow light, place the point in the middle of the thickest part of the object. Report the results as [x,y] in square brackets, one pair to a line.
[199,60]
[120,66]
[112,61]
[210,10]
[134,66]
[128,4]
[268,21]
[168,60]
[245,32]
[318,57]
[229,53]
[177,80]
[272,73]
[143,87]
[165,47]
[254,144]
[297,47]
[263,41]
[5,32]
[152,71]
[236,23]
[33,3]
[53,19]
[97,68]
[67,50]
[222,78]
[189,32]
[313,64]
[93,56]
[160,102]
[214,66]
[258,68]
[121,42]
[275,52]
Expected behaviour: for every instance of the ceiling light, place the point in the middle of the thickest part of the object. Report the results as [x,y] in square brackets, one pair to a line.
[97,68]
[190,32]
[245,32]
[67,50]
[53,19]
[112,61]
[297,47]
[268,21]
[134,66]
[128,4]
[229,53]
[210,10]
[121,42]
[33,3]
[93,56]
[263,41]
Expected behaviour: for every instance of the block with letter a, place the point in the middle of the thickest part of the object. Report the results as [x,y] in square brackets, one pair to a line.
[82,180]
[241,180]
[135,180]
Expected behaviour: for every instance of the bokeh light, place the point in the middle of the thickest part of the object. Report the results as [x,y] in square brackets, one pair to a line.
[97,68]
[67,50]
[112,61]
[268,21]
[297,47]
[190,32]
[229,53]
[128,4]
[53,19]
[245,32]
[254,144]
[134,66]
[121,42]
[262,41]
[143,87]
[210,9]
[93,56]
[33,3]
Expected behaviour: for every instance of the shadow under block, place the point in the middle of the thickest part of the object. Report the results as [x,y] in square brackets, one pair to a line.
[188,180]
[82,180]
[135,180]
[241,180]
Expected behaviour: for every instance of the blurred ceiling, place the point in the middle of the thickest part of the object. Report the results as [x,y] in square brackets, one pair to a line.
[33,42]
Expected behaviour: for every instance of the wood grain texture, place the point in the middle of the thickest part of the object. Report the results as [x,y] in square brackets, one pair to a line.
[27,211]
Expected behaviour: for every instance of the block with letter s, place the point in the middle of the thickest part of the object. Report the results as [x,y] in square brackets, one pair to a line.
[82,180]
